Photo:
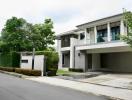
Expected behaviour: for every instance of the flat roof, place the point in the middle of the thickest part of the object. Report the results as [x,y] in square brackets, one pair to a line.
[100,19]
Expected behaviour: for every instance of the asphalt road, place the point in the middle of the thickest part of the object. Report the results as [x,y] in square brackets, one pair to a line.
[13,88]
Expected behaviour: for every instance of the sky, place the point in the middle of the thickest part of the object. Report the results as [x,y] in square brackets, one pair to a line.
[66,14]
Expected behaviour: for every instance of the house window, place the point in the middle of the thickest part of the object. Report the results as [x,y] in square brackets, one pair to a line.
[115,32]
[24,61]
[82,36]
[63,59]
[102,35]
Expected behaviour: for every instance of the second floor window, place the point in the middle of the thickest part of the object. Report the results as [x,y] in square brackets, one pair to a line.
[102,35]
[115,32]
[82,36]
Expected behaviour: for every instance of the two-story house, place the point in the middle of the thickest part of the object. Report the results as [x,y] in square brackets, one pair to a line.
[96,46]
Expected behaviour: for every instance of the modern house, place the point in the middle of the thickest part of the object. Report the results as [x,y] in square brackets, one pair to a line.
[96,46]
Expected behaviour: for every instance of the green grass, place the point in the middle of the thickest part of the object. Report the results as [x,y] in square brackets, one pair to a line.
[61,72]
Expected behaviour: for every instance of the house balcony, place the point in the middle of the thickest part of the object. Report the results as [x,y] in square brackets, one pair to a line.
[105,47]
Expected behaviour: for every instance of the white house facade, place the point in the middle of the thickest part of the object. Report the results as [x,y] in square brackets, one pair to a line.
[96,46]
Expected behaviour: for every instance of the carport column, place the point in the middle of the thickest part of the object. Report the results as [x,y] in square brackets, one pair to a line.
[95,31]
[72,52]
[95,61]
[108,31]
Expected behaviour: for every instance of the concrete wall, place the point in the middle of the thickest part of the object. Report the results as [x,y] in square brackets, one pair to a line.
[38,62]
[80,60]
[119,62]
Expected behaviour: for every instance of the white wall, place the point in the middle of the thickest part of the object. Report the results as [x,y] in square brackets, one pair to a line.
[38,62]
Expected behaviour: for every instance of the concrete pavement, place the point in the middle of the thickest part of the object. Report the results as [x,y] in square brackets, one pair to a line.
[87,87]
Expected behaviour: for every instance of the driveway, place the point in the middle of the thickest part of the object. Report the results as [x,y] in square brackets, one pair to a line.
[112,80]
[12,88]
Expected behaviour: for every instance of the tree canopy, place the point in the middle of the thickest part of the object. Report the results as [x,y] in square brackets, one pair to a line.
[128,23]
[19,35]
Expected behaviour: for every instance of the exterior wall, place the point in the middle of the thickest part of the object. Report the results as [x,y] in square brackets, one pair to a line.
[80,60]
[28,65]
[118,62]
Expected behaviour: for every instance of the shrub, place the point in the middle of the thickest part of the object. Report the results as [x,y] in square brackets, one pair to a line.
[9,69]
[52,59]
[28,72]
[76,70]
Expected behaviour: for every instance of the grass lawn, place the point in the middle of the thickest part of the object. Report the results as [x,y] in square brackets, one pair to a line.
[61,72]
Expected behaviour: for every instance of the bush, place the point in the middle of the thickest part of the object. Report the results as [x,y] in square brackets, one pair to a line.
[75,70]
[52,60]
[7,69]
[28,72]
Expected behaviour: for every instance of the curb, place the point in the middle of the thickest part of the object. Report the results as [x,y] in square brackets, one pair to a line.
[13,74]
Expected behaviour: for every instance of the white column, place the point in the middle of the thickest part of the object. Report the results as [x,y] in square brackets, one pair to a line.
[95,32]
[122,28]
[72,52]
[108,32]
[86,36]
[60,54]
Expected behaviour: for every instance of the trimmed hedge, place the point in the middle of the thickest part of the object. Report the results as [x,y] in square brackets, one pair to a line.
[10,59]
[52,59]
[75,70]
[22,71]
[28,72]
[9,69]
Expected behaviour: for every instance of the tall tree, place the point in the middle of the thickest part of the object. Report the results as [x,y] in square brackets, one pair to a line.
[19,35]
[43,35]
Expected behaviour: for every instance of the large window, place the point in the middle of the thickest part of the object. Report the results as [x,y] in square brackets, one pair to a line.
[102,35]
[115,32]
[82,36]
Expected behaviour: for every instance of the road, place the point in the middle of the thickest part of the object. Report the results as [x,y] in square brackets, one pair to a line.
[13,88]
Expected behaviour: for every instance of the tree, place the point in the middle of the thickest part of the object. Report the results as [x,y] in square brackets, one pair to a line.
[128,23]
[43,35]
[19,35]
[14,34]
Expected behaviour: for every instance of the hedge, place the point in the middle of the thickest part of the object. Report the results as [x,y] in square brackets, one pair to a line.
[52,59]
[28,72]
[76,70]
[10,59]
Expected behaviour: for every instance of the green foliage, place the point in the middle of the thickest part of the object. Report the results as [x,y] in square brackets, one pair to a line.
[76,70]
[11,59]
[19,35]
[128,24]
[52,59]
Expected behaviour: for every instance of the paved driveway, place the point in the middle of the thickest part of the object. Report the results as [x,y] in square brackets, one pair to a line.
[12,88]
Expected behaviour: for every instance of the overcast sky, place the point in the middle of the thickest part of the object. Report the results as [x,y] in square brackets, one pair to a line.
[66,14]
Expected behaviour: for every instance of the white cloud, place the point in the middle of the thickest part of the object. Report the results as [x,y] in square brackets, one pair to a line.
[66,14]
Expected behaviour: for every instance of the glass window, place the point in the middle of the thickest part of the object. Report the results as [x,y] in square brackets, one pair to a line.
[102,35]
[115,32]
[82,36]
